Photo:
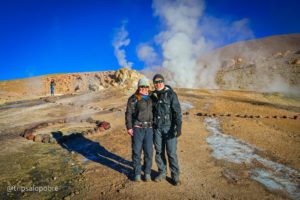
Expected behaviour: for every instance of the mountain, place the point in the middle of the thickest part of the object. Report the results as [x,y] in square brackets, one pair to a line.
[270,64]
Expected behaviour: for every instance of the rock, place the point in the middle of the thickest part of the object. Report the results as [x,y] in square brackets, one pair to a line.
[90,120]
[93,87]
[126,77]
[278,55]
[67,198]
[296,61]
[105,125]
[45,138]
[30,137]
[27,132]
[113,109]
[53,141]
[186,113]
[77,88]
[238,60]
[98,122]
[77,192]
[38,138]
[101,129]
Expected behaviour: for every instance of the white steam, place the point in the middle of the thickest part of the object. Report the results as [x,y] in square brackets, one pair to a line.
[181,45]
[147,54]
[187,34]
[120,41]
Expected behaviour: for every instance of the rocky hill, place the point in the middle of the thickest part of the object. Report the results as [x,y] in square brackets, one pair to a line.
[271,64]
[68,83]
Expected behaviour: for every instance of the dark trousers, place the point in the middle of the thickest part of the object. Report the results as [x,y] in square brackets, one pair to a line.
[52,91]
[166,141]
[142,140]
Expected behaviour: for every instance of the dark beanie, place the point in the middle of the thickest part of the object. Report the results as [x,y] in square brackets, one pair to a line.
[156,76]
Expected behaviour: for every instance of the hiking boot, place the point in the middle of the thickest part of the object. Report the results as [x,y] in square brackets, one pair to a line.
[176,181]
[137,178]
[147,178]
[160,177]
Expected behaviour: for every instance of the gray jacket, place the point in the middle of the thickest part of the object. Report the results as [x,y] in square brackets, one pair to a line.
[138,110]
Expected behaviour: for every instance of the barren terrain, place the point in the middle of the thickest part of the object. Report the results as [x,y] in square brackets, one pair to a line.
[264,128]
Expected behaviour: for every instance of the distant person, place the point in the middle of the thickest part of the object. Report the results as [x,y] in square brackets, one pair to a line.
[52,86]
[138,119]
[167,128]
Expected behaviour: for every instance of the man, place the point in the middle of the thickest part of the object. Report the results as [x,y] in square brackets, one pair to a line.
[167,127]
[52,85]
[139,119]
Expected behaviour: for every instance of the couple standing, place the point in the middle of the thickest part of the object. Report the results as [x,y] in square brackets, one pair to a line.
[154,117]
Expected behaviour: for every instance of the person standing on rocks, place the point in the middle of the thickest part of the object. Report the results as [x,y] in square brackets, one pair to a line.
[139,119]
[167,128]
[52,85]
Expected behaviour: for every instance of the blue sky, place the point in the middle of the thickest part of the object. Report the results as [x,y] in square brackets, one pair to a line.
[58,36]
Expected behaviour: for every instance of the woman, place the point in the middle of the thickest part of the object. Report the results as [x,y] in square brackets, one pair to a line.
[138,119]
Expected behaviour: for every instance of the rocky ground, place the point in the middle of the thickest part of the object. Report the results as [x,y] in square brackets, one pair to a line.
[97,165]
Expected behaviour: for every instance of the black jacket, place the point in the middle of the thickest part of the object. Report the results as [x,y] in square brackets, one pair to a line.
[138,110]
[166,109]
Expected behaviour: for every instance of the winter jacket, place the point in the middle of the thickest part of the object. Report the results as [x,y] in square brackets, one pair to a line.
[138,110]
[52,84]
[166,109]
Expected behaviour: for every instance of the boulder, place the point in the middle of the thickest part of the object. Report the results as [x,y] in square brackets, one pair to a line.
[45,138]
[29,136]
[38,138]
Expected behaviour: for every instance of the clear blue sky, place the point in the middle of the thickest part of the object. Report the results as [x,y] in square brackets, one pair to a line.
[57,36]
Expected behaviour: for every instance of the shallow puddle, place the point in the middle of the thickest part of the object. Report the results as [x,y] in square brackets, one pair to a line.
[274,176]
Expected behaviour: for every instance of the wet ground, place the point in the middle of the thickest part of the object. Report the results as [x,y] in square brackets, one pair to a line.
[274,176]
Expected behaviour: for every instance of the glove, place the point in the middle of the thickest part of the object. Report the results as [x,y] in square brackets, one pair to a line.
[178,131]
[178,134]
[130,132]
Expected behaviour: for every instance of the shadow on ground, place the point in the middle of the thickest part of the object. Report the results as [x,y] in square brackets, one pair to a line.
[94,151]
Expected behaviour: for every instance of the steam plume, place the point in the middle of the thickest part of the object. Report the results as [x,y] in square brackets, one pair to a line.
[187,35]
[121,40]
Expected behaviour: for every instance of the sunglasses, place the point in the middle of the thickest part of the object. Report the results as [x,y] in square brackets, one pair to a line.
[143,86]
[158,81]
